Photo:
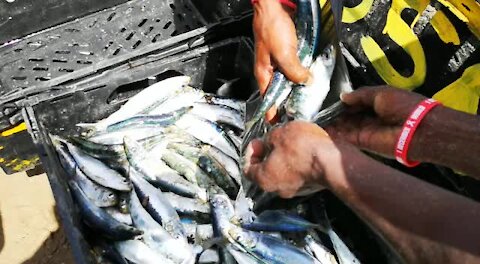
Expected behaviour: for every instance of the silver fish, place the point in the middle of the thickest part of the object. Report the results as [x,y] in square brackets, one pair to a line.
[158,206]
[242,257]
[209,133]
[148,96]
[305,101]
[320,252]
[184,98]
[116,137]
[155,236]
[98,171]
[219,114]
[209,256]
[99,219]
[155,171]
[232,103]
[200,233]
[119,216]
[137,252]
[151,121]
[188,206]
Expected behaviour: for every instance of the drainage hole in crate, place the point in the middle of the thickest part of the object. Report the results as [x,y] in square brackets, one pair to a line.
[117,51]
[65,70]
[19,78]
[72,30]
[126,91]
[42,79]
[172,6]
[17,50]
[130,36]
[156,38]
[167,74]
[62,52]
[188,28]
[21,68]
[167,25]
[123,30]
[142,22]
[35,59]
[93,23]
[59,61]
[174,33]
[40,69]
[108,45]
[136,44]
[84,62]
[35,44]
[110,17]
[84,52]
[148,31]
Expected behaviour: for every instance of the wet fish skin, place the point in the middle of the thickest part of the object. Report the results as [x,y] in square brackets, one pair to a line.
[305,101]
[155,171]
[116,137]
[186,97]
[232,103]
[199,232]
[209,256]
[158,207]
[151,121]
[98,171]
[188,206]
[208,164]
[320,252]
[268,248]
[119,216]
[242,257]
[279,221]
[219,114]
[100,220]
[230,164]
[137,252]
[209,133]
[155,236]
[147,97]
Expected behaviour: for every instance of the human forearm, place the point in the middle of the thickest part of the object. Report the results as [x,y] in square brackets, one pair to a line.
[423,222]
[450,138]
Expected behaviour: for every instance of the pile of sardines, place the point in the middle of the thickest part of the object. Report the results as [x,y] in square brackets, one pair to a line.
[159,181]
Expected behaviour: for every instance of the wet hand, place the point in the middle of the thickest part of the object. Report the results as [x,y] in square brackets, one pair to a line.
[375,118]
[290,160]
[275,46]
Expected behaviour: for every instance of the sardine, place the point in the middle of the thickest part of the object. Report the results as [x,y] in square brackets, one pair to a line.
[232,103]
[150,121]
[158,206]
[99,219]
[137,252]
[155,236]
[305,101]
[119,216]
[209,165]
[116,137]
[98,171]
[184,98]
[188,206]
[148,96]
[242,257]
[209,133]
[279,221]
[219,114]
[320,252]
[155,171]
[199,233]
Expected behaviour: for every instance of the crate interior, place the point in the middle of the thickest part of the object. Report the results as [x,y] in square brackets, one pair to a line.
[229,59]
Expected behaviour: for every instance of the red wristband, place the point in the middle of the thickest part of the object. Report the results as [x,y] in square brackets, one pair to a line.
[409,128]
[288,3]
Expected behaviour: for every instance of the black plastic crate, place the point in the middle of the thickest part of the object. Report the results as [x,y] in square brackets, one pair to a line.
[48,61]
[102,95]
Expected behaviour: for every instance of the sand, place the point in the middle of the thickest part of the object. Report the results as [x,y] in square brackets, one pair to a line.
[29,227]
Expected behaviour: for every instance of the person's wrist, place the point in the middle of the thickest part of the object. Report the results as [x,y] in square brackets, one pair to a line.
[424,140]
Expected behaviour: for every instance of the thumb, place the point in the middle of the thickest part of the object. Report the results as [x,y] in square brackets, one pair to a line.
[362,97]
